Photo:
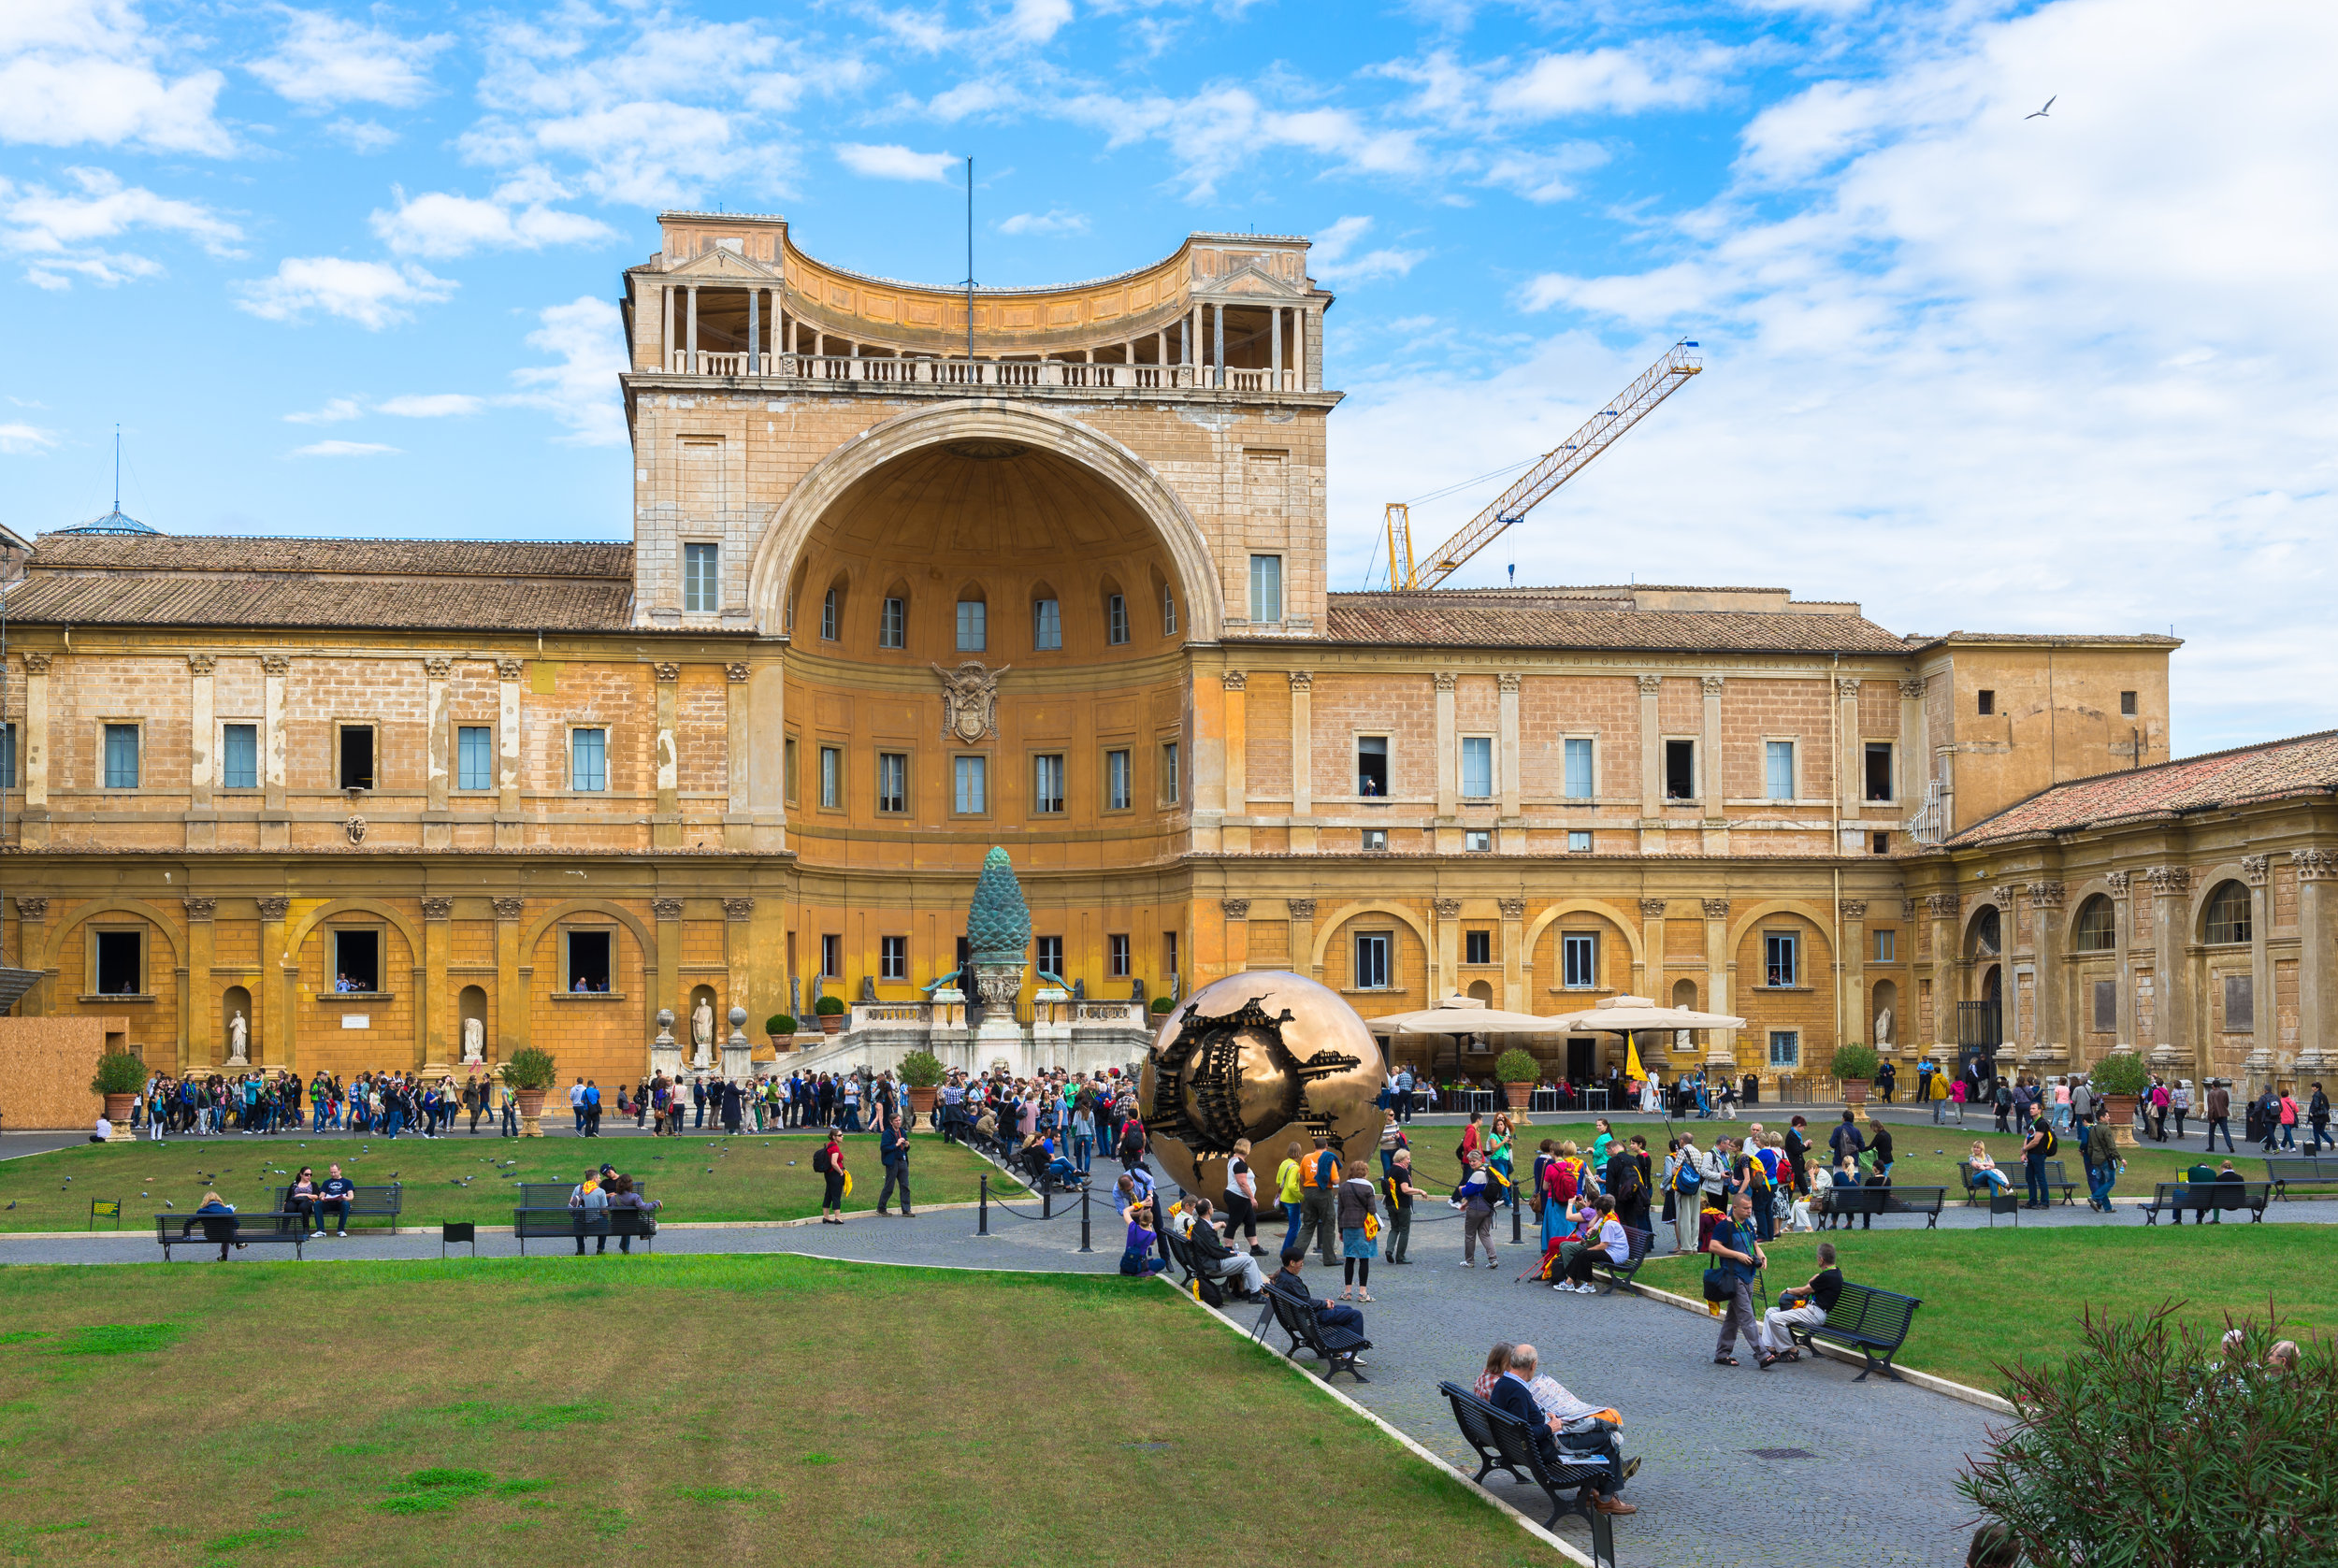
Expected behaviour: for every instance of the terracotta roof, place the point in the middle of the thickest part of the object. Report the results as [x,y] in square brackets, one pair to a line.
[2060,639]
[387,584]
[1561,620]
[2301,767]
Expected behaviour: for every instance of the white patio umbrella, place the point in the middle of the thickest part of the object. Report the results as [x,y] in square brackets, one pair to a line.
[1459,1014]
[1637,1014]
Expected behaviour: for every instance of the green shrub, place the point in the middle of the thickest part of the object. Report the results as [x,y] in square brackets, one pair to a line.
[531,1067]
[2147,1435]
[2121,1073]
[119,1072]
[1162,1004]
[827,1007]
[1853,1061]
[1515,1066]
[921,1069]
[779,1023]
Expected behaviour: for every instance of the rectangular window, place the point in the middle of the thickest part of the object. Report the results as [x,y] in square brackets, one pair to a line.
[972,630]
[892,958]
[1117,957]
[356,770]
[1168,612]
[1371,765]
[1476,767]
[2240,1003]
[122,757]
[1046,785]
[2106,1006]
[1477,947]
[1169,776]
[1116,619]
[475,757]
[1879,779]
[1372,964]
[1117,792]
[1679,770]
[1777,769]
[1579,775]
[832,616]
[971,780]
[1778,958]
[121,963]
[1579,841]
[833,778]
[1047,625]
[787,767]
[831,956]
[588,759]
[1881,843]
[1266,587]
[1478,840]
[8,757]
[1887,947]
[1047,955]
[701,587]
[588,961]
[893,623]
[1988,702]
[1169,953]
[2126,705]
[1786,1048]
[238,756]
[357,960]
[1578,961]
[1375,837]
[892,781]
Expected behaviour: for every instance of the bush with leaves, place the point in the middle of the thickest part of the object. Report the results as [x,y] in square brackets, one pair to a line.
[531,1068]
[119,1072]
[2152,1446]
[922,1069]
[1853,1062]
[1515,1066]
[779,1023]
[2120,1072]
[829,1007]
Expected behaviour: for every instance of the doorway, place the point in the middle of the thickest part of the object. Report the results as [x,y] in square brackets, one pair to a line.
[1583,1058]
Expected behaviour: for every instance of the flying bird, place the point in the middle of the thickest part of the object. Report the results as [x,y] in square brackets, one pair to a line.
[2043,113]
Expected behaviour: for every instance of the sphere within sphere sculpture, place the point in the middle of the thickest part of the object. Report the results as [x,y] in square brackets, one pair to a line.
[1268,1056]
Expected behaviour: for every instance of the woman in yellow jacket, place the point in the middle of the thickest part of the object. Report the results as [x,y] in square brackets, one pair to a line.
[1287,1192]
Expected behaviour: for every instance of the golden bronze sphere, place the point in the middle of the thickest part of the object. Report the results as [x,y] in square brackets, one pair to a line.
[1268,1056]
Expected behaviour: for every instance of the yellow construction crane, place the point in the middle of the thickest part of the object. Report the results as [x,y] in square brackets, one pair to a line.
[1561,464]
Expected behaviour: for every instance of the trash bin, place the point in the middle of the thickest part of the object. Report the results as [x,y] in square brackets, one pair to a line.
[1752,1092]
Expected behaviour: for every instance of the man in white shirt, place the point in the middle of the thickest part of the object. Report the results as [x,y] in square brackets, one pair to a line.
[105,1131]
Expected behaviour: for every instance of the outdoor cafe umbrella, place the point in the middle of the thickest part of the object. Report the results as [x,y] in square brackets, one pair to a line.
[1459,1016]
[1632,1015]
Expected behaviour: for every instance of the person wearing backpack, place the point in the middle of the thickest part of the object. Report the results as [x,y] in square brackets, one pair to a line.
[2036,1149]
[1319,1201]
[828,1162]
[1685,1179]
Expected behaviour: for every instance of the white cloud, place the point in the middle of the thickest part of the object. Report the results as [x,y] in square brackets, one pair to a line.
[373,294]
[75,71]
[893,161]
[54,230]
[582,390]
[968,97]
[324,60]
[1221,128]
[363,135]
[1541,176]
[1333,256]
[344,449]
[337,411]
[1052,222]
[1610,82]
[1035,22]
[26,440]
[441,224]
[431,405]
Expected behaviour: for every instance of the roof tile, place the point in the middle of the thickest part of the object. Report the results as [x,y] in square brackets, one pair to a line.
[2277,770]
[1483,620]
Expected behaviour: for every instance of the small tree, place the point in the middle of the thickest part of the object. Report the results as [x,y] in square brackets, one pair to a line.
[1162,1004]
[2120,1072]
[1515,1066]
[119,1072]
[1853,1062]
[2153,1445]
[921,1069]
[531,1067]
[829,1007]
[779,1023]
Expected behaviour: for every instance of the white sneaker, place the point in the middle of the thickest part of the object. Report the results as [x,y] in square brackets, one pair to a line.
[1587,1289]
[1467,1264]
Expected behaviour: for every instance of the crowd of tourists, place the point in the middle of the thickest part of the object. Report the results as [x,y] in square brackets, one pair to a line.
[270,1100]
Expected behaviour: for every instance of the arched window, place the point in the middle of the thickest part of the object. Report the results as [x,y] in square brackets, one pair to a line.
[893,617]
[2228,914]
[1987,934]
[1046,619]
[1115,614]
[1168,611]
[832,614]
[973,617]
[2098,926]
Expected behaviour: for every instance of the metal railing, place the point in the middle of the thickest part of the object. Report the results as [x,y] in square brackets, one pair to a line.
[905,370]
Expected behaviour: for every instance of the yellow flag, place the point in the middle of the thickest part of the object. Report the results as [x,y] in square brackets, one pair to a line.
[1631,1068]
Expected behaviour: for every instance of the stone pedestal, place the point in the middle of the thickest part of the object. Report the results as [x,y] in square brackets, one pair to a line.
[738,1051]
[665,1052]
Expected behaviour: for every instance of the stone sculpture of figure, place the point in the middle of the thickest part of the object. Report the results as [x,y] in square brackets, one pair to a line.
[1883,1027]
[474,1042]
[239,1034]
[702,1033]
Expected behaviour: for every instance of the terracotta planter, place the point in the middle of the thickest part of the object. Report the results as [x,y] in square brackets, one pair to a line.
[783,1042]
[1855,1091]
[1517,1095]
[921,1099]
[2119,1112]
[531,1105]
[118,1112]
[831,1023]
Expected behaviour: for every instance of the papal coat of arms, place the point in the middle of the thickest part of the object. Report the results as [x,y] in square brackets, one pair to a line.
[970,700]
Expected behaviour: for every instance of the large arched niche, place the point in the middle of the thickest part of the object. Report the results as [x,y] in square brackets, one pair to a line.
[983,494]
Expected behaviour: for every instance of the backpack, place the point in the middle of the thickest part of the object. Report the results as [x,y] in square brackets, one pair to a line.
[1312,1171]
[1688,1178]
[819,1162]
[2052,1144]
[1206,1292]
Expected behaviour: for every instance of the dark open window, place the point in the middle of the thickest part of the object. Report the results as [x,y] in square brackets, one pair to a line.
[1679,770]
[1879,760]
[357,960]
[1477,947]
[1372,765]
[1988,701]
[357,756]
[588,961]
[120,970]
[2126,705]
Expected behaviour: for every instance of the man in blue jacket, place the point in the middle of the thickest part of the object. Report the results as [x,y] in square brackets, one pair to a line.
[893,1151]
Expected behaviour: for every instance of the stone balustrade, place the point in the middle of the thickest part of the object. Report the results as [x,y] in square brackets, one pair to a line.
[896,371]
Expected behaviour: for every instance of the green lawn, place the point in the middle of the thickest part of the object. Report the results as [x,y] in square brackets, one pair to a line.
[1994,1296]
[752,1176]
[678,1410]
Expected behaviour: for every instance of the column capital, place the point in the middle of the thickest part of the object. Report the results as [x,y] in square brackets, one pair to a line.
[2003,895]
[36,664]
[2313,865]
[737,674]
[1446,679]
[438,909]
[738,909]
[1302,680]
[199,909]
[1716,908]
[2253,868]
[1847,690]
[1912,689]
[509,909]
[1513,909]
[1233,680]
[665,669]
[1854,909]
[2168,879]
[2046,895]
[665,909]
[1651,909]
[1300,909]
[2117,882]
[274,909]
[276,664]
[1650,685]
[202,664]
[1509,680]
[1446,909]
[32,908]
[1236,908]
[1943,906]
[508,668]
[438,667]
[1710,685]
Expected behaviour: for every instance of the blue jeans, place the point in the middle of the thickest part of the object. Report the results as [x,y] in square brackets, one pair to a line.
[2099,1180]
[1337,1317]
[2033,1171]
[2288,1135]
[1083,1150]
[1291,1233]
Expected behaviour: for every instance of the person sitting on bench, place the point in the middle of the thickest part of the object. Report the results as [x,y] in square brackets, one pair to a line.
[301,1200]
[1985,1169]
[1214,1259]
[1773,1338]
[335,1196]
[1287,1284]
[215,1204]
[1514,1395]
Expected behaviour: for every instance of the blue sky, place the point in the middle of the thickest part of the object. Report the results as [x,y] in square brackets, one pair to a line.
[348,270]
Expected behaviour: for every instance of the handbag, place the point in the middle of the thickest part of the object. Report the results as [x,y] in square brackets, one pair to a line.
[1719,1287]
[1371,1226]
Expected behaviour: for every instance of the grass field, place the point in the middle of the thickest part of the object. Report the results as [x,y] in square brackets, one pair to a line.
[752,1176]
[677,1410]
[1996,1296]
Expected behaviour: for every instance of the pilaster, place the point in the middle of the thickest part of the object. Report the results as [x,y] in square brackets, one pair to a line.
[1716,835]
[1301,913]
[1235,943]
[1303,840]
[2263,1006]
[512,1003]
[1651,782]
[1448,756]
[511,831]
[1507,746]
[34,832]
[1721,1045]
[196,1005]
[436,1001]
[666,824]
[1850,781]
[1448,959]
[1234,686]
[668,970]
[738,950]
[202,829]
[438,824]
[2318,954]
[2171,922]
[279,974]
[275,817]
[1911,785]
[2053,1027]
[1851,981]
[1515,978]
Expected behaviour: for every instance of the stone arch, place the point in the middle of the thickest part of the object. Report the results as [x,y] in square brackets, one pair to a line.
[2206,884]
[1609,912]
[1330,924]
[780,544]
[139,907]
[625,917]
[1795,907]
[282,985]
[318,916]
[1969,932]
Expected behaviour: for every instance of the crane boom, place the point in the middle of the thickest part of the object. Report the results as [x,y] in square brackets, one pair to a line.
[1561,464]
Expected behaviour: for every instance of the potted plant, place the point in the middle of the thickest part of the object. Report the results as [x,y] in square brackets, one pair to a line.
[530,1072]
[922,1071]
[782,1028]
[1162,1005]
[1516,1070]
[2120,1078]
[120,1074]
[831,1013]
[1854,1064]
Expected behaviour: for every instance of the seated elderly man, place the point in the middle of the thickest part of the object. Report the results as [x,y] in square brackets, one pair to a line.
[1214,1258]
[1565,1428]
[1806,1306]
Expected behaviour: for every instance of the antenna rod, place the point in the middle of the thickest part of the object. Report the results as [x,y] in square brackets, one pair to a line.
[117,468]
[970,266]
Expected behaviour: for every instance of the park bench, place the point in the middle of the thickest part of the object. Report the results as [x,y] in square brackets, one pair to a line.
[555,1195]
[1620,1273]
[2286,1171]
[1335,1349]
[1506,1443]
[563,1224]
[226,1230]
[1868,1201]
[2203,1199]
[365,1203]
[1975,1188]
[1867,1321]
[1182,1256]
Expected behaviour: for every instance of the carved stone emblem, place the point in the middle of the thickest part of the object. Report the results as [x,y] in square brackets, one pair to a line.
[355,828]
[970,700]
